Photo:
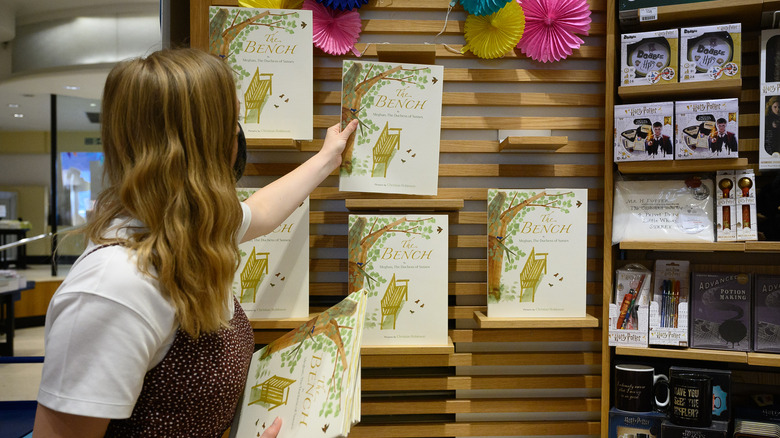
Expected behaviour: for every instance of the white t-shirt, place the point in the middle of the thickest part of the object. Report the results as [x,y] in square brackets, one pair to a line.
[106,326]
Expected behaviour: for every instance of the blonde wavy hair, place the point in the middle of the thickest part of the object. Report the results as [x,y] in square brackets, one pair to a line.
[169,126]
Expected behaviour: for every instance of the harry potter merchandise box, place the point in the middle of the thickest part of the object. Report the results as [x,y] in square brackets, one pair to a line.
[718,429]
[769,128]
[706,129]
[644,132]
[747,220]
[635,424]
[720,311]
[766,314]
[710,53]
[669,305]
[648,58]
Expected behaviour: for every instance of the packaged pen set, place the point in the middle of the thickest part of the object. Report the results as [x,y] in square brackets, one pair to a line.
[669,304]
[628,313]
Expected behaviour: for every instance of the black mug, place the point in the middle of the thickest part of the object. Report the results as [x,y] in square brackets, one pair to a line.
[635,388]
[691,399]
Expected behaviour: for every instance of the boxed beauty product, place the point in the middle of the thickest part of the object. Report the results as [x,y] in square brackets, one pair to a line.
[644,132]
[747,225]
[706,129]
[669,305]
[648,58]
[628,313]
[718,429]
[725,206]
[710,53]
[766,314]
[635,424]
[721,389]
[720,311]
[769,117]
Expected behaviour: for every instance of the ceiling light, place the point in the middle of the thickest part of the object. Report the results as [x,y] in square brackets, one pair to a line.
[93,105]
[72,87]
[13,105]
[18,115]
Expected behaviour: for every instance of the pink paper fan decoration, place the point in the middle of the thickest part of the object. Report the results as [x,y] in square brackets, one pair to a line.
[335,32]
[550,26]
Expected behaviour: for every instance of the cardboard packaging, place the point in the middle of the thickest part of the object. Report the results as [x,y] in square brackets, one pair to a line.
[769,120]
[669,305]
[624,424]
[747,225]
[721,389]
[628,314]
[644,132]
[648,58]
[718,429]
[720,311]
[710,53]
[766,314]
[706,129]
[725,206]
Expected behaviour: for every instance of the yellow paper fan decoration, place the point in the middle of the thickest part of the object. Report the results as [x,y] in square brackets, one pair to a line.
[271,4]
[492,36]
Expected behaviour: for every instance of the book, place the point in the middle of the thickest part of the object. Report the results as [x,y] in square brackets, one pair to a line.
[270,51]
[396,146]
[537,252]
[310,377]
[402,263]
[721,311]
[272,279]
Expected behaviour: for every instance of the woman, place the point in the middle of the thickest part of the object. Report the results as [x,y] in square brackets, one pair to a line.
[144,337]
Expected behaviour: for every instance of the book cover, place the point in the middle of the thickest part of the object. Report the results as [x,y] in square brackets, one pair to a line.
[402,262]
[310,377]
[396,146]
[537,252]
[766,327]
[270,51]
[272,280]
[720,311]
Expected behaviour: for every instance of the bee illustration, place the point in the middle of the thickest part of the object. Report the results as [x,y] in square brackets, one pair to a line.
[422,305]
[555,275]
[272,285]
[439,230]
[303,25]
[276,106]
[579,203]
[287,100]
[403,161]
[551,285]
[434,80]
[277,274]
[408,150]
[417,301]
[561,279]
[325,428]
[283,278]
[412,311]
[414,155]
[281,96]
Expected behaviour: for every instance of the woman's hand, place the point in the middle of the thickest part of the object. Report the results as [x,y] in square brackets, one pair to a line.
[336,141]
[273,430]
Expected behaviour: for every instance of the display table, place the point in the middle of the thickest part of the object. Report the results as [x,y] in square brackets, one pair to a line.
[7,299]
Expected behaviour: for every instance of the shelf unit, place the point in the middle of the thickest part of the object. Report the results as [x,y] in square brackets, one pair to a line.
[705,255]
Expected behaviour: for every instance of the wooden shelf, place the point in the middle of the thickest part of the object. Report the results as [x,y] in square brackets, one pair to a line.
[747,12]
[685,246]
[277,324]
[407,53]
[719,89]
[533,144]
[682,166]
[763,359]
[686,353]
[254,144]
[379,350]
[485,322]
[764,246]
[405,204]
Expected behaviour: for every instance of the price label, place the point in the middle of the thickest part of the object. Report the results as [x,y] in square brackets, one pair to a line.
[648,14]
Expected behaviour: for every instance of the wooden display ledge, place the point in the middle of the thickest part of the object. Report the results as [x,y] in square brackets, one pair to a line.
[288,144]
[763,359]
[379,350]
[686,246]
[407,53]
[683,166]
[279,324]
[533,144]
[721,89]
[405,204]
[763,246]
[485,322]
[686,353]
[747,12]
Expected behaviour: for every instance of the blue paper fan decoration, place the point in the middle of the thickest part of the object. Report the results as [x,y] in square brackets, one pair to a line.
[483,7]
[343,5]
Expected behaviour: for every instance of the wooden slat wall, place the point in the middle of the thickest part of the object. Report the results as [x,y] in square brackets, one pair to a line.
[498,382]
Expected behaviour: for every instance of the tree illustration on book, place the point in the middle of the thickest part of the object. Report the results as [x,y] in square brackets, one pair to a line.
[361,85]
[506,211]
[310,376]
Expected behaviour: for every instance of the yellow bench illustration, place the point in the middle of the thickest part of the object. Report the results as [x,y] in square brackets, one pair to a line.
[273,391]
[388,142]
[396,294]
[257,93]
[532,272]
[254,271]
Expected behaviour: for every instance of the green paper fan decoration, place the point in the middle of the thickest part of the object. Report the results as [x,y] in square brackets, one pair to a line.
[492,36]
